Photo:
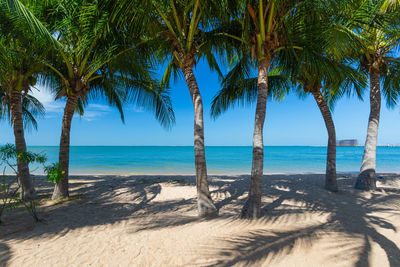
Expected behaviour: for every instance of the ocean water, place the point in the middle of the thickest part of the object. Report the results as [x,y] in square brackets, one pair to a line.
[220,160]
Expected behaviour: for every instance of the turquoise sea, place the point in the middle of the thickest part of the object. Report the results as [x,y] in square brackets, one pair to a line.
[220,159]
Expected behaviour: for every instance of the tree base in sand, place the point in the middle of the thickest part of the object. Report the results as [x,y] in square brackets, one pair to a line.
[331,187]
[366,180]
[205,206]
[251,210]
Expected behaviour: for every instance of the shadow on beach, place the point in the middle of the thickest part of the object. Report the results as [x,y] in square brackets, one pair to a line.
[355,217]
[351,214]
[93,201]
[5,254]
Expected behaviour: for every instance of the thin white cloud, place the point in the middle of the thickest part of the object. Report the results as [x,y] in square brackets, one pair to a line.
[55,108]
[99,107]
[137,109]
[43,95]
[92,115]
[95,111]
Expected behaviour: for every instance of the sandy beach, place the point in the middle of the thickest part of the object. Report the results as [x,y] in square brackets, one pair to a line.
[149,220]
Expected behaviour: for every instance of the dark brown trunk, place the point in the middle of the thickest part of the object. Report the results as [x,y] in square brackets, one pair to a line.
[61,188]
[330,175]
[24,177]
[252,207]
[367,178]
[205,204]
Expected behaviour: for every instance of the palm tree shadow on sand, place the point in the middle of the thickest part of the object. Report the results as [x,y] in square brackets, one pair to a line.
[352,218]
[101,196]
[5,254]
[103,200]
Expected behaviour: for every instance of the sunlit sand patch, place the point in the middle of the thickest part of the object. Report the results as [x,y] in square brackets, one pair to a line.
[281,188]
[169,192]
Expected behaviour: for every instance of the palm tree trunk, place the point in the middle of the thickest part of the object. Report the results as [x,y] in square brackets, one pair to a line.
[330,175]
[205,204]
[252,207]
[24,177]
[367,178]
[61,188]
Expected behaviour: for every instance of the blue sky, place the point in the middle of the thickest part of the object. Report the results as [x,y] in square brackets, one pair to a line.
[290,122]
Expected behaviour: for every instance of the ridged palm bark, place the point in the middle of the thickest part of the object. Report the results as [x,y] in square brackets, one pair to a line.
[204,202]
[367,177]
[330,174]
[24,177]
[252,207]
[61,188]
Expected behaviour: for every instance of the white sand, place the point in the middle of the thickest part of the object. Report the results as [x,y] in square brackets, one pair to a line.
[151,221]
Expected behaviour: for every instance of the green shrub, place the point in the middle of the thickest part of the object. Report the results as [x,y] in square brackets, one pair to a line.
[10,197]
[54,173]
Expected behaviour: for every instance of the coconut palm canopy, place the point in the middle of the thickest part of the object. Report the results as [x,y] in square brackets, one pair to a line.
[92,59]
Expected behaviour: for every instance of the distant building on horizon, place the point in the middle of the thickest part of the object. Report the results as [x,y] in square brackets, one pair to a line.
[347,142]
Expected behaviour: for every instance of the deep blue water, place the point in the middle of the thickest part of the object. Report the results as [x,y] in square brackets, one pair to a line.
[166,159]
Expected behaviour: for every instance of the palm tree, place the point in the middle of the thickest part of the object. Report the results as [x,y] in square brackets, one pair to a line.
[323,72]
[19,70]
[94,59]
[376,24]
[265,30]
[317,80]
[183,33]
